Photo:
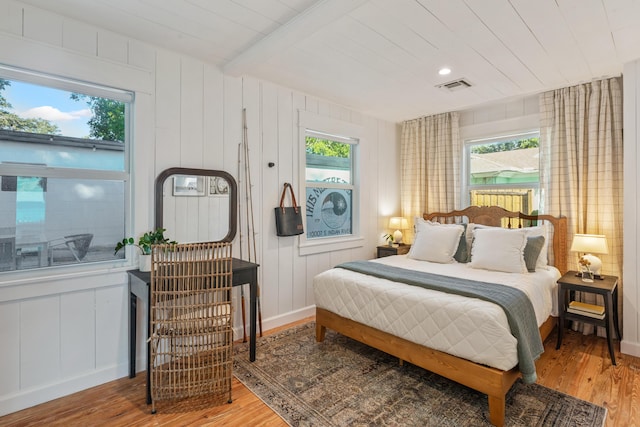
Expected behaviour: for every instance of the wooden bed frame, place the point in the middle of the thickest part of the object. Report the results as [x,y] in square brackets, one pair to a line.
[493,382]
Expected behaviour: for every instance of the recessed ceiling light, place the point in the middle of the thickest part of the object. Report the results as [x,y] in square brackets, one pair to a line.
[444,71]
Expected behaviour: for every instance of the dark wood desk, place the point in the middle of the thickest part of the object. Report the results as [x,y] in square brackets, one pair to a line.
[244,272]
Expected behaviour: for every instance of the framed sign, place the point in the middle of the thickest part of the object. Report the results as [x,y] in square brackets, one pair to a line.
[218,186]
[186,185]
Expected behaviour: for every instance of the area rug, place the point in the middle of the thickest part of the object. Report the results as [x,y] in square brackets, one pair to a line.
[341,382]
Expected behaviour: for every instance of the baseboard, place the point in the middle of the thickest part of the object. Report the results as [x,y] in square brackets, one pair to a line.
[27,398]
[630,348]
[277,321]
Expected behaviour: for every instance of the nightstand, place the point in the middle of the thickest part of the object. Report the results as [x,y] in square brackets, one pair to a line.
[387,250]
[607,287]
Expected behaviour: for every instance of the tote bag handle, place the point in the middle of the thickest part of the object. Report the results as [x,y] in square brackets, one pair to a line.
[293,197]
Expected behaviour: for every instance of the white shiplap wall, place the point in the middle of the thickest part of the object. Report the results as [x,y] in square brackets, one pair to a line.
[65,332]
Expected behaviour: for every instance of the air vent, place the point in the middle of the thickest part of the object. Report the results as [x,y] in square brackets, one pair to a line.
[455,85]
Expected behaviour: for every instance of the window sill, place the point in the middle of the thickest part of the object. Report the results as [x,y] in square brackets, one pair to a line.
[330,245]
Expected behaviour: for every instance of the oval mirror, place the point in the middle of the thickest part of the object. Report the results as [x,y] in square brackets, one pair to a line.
[196,205]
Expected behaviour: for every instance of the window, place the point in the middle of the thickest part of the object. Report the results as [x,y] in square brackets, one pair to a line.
[63,170]
[329,188]
[504,171]
[330,184]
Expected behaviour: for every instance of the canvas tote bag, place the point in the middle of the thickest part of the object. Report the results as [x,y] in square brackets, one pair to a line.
[288,219]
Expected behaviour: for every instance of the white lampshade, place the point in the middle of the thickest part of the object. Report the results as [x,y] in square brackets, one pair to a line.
[588,244]
[399,223]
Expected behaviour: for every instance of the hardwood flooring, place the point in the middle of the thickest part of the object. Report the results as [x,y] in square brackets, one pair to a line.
[581,368]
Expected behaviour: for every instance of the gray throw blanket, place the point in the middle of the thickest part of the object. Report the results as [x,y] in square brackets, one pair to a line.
[514,302]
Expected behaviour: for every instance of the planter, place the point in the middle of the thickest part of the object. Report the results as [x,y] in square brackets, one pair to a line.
[144,263]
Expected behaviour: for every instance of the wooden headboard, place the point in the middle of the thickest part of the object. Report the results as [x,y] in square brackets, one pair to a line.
[499,217]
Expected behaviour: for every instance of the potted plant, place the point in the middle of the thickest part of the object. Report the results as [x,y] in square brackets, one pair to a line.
[144,244]
[389,239]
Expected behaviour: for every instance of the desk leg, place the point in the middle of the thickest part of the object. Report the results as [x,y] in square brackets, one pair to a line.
[616,324]
[609,326]
[133,315]
[253,294]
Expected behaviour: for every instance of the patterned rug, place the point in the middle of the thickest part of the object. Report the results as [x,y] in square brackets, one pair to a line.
[342,382]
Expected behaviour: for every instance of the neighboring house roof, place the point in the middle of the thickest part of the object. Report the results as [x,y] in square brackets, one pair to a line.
[521,161]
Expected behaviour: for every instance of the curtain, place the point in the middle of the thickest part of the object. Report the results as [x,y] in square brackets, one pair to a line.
[430,157]
[581,175]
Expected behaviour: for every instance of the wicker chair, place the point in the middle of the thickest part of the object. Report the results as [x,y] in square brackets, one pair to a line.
[191,321]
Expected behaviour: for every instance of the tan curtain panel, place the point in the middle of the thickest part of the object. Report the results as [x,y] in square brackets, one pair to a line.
[581,164]
[430,157]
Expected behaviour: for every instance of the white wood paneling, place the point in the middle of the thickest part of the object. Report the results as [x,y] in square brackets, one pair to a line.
[141,55]
[11,17]
[79,37]
[77,333]
[42,26]
[112,46]
[111,320]
[39,342]
[10,338]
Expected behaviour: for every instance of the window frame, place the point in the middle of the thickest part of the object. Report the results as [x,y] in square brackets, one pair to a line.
[18,169]
[342,132]
[468,144]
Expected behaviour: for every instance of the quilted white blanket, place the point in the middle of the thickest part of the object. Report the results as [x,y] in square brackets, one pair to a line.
[465,327]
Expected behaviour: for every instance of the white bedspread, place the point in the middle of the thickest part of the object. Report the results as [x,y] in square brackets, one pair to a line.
[465,327]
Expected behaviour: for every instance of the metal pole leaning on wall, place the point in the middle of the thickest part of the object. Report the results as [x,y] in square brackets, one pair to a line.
[244,313]
[249,197]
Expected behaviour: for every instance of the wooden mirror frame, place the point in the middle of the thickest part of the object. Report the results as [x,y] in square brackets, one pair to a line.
[233,195]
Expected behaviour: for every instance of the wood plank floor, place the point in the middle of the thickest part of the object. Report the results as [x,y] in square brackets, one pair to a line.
[581,368]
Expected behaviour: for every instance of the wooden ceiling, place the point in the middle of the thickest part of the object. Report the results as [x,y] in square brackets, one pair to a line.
[382,57]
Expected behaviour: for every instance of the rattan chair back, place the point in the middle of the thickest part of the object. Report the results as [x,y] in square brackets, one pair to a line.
[191,328]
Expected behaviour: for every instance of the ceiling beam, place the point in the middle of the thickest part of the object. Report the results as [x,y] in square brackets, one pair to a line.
[301,26]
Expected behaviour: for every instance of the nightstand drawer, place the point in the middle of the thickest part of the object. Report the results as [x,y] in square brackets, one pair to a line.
[384,251]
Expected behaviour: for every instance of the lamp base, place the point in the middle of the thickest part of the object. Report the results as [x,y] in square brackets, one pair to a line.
[397,237]
[594,263]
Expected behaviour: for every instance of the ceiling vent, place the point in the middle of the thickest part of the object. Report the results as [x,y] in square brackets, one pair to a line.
[455,85]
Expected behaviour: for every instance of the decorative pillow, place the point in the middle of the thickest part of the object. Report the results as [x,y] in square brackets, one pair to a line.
[462,253]
[532,251]
[540,230]
[499,249]
[469,235]
[435,242]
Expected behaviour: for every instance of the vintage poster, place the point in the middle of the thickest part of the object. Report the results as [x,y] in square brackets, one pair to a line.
[328,212]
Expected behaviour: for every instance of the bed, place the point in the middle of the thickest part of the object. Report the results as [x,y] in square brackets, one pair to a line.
[358,304]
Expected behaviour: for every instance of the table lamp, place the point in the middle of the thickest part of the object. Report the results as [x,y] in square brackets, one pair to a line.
[588,244]
[399,223]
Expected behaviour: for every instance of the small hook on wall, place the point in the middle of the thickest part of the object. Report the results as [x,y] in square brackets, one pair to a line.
[271,164]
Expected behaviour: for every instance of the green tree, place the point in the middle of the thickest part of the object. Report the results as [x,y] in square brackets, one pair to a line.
[325,147]
[11,121]
[518,144]
[107,121]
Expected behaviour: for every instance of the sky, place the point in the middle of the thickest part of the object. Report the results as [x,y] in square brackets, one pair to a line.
[31,101]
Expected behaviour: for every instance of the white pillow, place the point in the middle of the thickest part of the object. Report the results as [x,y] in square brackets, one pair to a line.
[435,242]
[499,249]
[540,230]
